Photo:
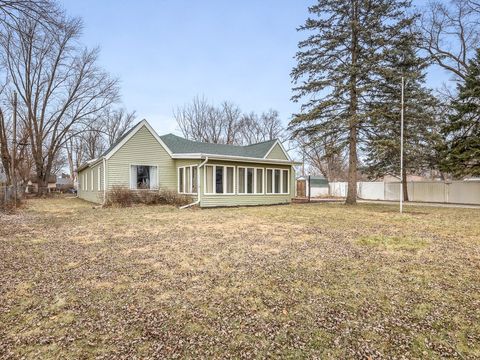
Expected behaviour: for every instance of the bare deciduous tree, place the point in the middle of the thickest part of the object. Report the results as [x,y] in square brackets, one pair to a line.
[115,123]
[451,33]
[226,124]
[60,86]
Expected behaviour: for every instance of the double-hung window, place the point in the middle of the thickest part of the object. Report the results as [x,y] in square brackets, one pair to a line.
[187,179]
[143,177]
[219,179]
[250,180]
[278,181]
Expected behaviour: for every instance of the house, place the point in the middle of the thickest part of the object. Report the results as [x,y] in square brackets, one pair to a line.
[32,185]
[213,174]
[64,183]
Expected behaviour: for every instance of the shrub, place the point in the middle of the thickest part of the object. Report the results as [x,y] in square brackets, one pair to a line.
[123,197]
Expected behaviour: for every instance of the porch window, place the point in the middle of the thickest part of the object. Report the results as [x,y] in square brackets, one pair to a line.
[219,179]
[187,179]
[250,180]
[143,177]
[278,181]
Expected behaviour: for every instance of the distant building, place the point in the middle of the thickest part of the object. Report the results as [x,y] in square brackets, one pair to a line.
[318,186]
[32,185]
[64,183]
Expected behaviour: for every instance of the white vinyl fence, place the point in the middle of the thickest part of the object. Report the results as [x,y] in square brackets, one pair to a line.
[454,192]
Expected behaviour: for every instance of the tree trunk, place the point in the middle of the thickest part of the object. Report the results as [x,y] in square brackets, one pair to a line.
[42,184]
[405,188]
[352,137]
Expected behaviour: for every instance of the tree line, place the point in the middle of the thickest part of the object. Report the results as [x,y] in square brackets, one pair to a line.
[348,83]
[57,105]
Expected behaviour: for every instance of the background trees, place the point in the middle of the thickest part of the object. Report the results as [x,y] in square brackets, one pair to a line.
[226,124]
[462,149]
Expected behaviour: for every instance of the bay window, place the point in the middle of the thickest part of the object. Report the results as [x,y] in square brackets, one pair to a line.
[187,179]
[219,179]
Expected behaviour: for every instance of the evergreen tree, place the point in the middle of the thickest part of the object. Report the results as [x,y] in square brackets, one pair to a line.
[337,67]
[421,130]
[463,129]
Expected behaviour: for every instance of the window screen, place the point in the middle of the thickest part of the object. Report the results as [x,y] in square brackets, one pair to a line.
[230,180]
[259,182]
[276,182]
[241,180]
[285,181]
[219,179]
[209,179]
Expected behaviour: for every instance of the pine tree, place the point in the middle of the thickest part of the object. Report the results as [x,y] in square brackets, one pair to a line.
[421,129]
[337,67]
[462,151]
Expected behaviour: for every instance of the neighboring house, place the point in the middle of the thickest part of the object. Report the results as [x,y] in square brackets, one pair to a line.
[32,186]
[213,174]
[64,183]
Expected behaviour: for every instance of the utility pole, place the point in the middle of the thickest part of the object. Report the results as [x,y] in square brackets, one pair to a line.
[14,149]
[401,148]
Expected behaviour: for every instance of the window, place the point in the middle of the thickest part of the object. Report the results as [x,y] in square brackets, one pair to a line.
[98,179]
[219,179]
[143,177]
[278,181]
[259,181]
[187,179]
[250,180]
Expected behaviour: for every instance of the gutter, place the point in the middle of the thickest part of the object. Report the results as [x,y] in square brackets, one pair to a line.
[198,185]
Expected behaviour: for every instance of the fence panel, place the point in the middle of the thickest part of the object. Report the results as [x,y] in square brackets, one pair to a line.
[338,189]
[464,192]
[374,190]
[428,191]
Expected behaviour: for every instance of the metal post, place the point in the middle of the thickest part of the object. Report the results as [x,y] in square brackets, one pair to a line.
[401,149]
[309,188]
[14,149]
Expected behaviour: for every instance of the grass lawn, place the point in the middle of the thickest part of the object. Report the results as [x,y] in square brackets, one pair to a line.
[296,281]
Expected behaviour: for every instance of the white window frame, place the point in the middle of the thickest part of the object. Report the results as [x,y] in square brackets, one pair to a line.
[92,178]
[98,179]
[281,181]
[183,191]
[254,180]
[224,183]
[130,176]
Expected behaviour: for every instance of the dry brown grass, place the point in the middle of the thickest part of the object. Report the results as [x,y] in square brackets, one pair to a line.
[299,281]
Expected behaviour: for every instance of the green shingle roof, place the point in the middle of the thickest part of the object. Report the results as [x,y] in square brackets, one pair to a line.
[179,145]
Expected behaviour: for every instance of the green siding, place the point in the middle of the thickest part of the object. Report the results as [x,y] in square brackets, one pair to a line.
[245,199]
[277,153]
[141,149]
[85,176]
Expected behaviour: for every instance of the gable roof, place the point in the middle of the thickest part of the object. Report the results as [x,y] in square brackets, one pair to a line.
[179,145]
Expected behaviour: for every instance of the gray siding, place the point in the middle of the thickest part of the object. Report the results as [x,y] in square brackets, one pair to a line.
[85,184]
[277,153]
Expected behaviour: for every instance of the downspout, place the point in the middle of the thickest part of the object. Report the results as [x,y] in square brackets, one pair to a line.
[198,185]
[104,181]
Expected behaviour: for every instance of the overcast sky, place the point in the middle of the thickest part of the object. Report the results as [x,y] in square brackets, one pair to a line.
[167,51]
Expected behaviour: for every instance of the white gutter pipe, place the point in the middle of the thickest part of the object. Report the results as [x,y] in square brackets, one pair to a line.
[198,185]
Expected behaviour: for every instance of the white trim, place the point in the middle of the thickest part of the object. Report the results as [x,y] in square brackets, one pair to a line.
[143,164]
[281,182]
[92,178]
[132,133]
[183,191]
[254,185]
[224,180]
[98,178]
[281,146]
[234,158]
